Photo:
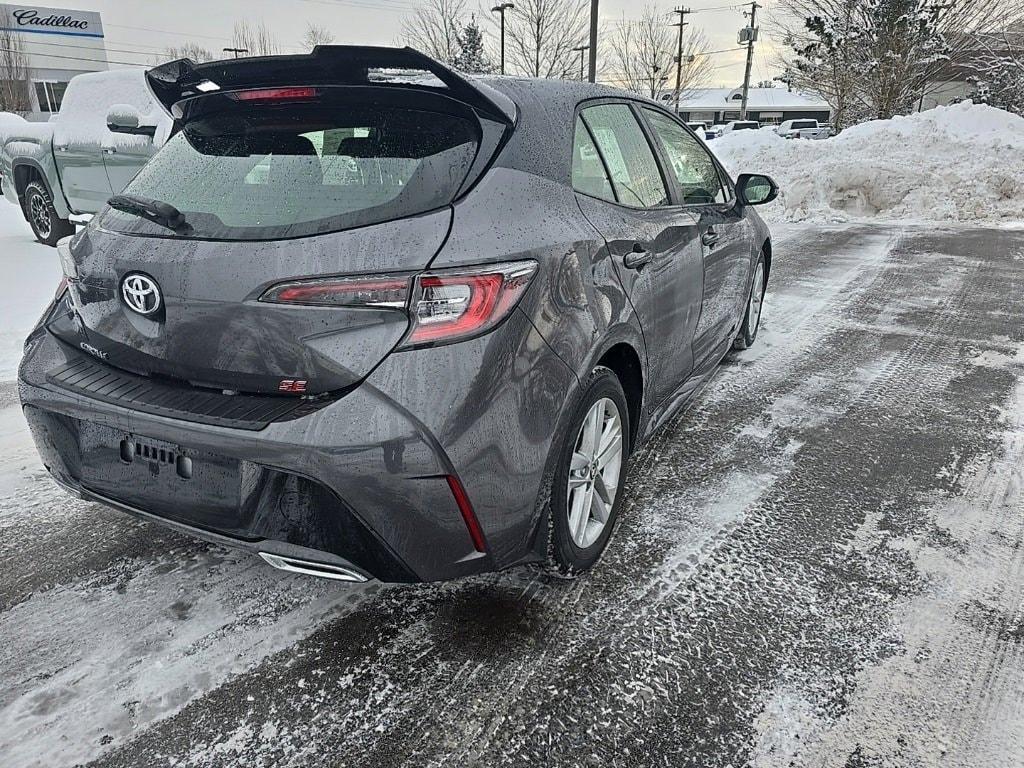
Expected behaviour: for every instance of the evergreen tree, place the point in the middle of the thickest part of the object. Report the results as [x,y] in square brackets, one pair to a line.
[472,58]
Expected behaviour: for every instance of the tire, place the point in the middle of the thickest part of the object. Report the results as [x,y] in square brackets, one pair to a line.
[46,223]
[752,312]
[575,544]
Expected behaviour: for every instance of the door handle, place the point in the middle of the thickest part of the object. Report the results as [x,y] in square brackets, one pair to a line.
[637,258]
[710,237]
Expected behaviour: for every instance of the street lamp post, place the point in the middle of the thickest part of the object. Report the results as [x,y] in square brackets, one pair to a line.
[500,9]
[593,40]
[581,49]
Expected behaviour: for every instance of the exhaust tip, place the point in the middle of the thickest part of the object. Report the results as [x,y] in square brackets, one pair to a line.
[309,568]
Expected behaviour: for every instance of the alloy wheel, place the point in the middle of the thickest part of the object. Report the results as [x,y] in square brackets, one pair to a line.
[594,472]
[40,213]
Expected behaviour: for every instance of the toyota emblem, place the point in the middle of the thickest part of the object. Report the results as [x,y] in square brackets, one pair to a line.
[141,293]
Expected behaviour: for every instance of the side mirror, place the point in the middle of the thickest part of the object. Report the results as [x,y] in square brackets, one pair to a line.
[756,189]
[123,118]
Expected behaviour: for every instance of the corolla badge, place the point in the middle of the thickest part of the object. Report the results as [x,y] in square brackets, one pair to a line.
[141,293]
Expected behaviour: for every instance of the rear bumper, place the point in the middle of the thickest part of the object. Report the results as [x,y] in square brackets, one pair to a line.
[360,484]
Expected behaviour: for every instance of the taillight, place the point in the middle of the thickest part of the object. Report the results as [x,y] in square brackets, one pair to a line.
[384,291]
[452,305]
[271,95]
[444,306]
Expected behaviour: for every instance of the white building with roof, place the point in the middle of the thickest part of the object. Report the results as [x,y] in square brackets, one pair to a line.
[766,105]
[58,44]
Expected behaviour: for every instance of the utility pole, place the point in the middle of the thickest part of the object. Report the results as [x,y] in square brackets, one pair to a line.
[679,51]
[751,35]
[581,49]
[236,51]
[593,41]
[501,10]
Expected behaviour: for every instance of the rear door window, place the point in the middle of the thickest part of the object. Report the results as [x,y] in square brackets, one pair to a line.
[304,170]
[589,175]
[635,175]
[691,163]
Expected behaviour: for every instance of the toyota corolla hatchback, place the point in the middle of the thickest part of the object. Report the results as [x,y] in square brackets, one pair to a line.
[369,318]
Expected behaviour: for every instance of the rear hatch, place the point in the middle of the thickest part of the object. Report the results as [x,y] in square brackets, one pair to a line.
[306,192]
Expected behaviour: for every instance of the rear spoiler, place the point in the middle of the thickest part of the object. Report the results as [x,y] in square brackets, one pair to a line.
[327,65]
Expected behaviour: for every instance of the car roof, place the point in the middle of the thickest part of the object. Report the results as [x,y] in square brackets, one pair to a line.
[542,141]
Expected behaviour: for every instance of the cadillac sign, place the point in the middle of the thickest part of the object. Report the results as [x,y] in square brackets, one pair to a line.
[50,21]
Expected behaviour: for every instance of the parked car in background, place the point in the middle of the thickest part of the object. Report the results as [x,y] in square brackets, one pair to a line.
[715,131]
[315,327]
[108,127]
[699,128]
[803,129]
[741,125]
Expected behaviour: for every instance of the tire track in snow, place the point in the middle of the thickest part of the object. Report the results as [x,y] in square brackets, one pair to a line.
[646,661]
[554,628]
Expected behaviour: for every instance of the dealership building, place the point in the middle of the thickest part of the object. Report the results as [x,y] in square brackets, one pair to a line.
[766,105]
[57,44]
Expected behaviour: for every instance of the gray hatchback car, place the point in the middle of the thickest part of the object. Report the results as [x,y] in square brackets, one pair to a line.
[369,318]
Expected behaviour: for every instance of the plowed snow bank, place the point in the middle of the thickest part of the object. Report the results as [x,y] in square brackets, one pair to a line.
[959,163]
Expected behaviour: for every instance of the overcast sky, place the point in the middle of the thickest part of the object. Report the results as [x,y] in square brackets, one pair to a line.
[138,29]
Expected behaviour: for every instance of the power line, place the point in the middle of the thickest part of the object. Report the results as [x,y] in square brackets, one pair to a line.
[173,34]
[89,48]
[366,5]
[81,58]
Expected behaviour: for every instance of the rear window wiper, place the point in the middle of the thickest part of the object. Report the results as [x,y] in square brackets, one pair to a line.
[157,211]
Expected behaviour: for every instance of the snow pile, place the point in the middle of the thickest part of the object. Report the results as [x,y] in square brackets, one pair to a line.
[29,274]
[10,122]
[959,163]
[16,128]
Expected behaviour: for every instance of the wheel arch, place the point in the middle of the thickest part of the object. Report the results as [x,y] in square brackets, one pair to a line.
[25,172]
[624,361]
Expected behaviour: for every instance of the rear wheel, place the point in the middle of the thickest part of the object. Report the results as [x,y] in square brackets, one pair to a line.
[752,313]
[46,223]
[587,484]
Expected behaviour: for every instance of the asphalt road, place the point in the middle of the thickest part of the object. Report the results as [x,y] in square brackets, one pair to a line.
[820,563]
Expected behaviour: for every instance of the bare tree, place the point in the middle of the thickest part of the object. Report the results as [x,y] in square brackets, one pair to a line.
[541,34]
[644,53]
[434,28]
[257,39]
[13,68]
[315,35]
[878,58]
[192,51]
[998,74]
[822,39]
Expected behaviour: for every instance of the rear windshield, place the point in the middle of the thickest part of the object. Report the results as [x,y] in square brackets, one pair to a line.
[743,126]
[804,124]
[291,172]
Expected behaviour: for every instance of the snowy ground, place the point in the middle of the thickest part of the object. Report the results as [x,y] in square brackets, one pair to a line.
[29,274]
[821,563]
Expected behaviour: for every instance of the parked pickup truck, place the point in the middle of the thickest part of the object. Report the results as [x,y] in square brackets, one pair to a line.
[802,129]
[108,127]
